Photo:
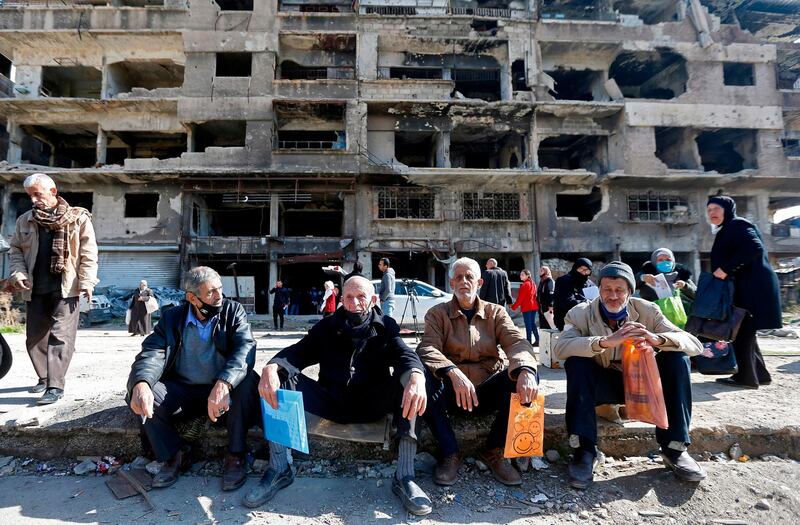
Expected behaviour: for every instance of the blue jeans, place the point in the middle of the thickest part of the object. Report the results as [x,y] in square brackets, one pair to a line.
[530,326]
[388,306]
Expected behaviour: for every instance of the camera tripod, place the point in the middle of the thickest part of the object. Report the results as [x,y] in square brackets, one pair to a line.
[411,298]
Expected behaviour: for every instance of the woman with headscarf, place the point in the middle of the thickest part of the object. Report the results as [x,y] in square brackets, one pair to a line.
[662,261]
[526,302]
[544,294]
[739,254]
[140,318]
[569,290]
[328,306]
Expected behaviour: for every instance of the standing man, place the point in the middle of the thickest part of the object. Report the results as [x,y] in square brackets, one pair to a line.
[53,260]
[283,297]
[496,288]
[387,286]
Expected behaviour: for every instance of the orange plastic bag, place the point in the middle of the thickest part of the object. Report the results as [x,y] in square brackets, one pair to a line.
[525,435]
[644,398]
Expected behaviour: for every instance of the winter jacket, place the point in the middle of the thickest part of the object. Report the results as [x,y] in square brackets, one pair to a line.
[496,288]
[526,299]
[568,293]
[544,293]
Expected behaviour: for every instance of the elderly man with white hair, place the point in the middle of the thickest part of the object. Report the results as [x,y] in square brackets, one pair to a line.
[53,260]
[460,347]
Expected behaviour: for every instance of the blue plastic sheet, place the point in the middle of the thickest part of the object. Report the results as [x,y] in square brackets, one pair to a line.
[286,425]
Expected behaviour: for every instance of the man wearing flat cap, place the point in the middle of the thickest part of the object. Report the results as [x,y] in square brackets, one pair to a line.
[591,349]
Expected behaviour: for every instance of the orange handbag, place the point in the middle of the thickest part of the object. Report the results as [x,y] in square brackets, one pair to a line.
[525,435]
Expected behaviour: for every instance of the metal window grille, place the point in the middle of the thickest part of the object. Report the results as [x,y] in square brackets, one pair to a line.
[656,207]
[391,10]
[494,206]
[406,203]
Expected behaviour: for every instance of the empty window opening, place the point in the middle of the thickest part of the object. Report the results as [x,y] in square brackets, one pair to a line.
[415,149]
[659,74]
[484,27]
[651,12]
[574,152]
[657,207]
[317,56]
[727,150]
[519,77]
[63,146]
[783,216]
[416,73]
[787,68]
[3,142]
[233,215]
[141,205]
[577,10]
[310,6]
[676,148]
[476,206]
[125,77]
[322,217]
[571,84]
[302,125]
[84,199]
[5,66]
[483,148]
[234,64]
[736,74]
[71,82]
[144,145]
[220,134]
[478,83]
[235,5]
[406,203]
[583,207]
[791,147]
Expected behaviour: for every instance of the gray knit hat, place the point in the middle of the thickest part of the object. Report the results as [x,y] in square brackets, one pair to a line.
[618,270]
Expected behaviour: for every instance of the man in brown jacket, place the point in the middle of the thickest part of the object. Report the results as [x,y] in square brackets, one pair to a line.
[53,261]
[460,347]
[590,347]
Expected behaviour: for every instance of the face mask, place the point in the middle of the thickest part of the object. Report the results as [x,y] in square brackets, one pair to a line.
[665,266]
[356,318]
[208,310]
[614,316]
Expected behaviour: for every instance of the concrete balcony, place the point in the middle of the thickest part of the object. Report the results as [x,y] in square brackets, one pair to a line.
[406,89]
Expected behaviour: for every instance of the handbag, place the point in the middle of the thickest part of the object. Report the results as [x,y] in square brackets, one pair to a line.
[718,358]
[715,330]
[714,297]
[672,308]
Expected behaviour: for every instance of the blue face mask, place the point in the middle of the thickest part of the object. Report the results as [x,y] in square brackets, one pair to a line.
[665,266]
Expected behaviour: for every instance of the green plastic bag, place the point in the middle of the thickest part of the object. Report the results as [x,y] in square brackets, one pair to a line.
[672,308]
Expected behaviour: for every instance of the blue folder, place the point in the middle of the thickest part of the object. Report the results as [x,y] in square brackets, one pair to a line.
[286,425]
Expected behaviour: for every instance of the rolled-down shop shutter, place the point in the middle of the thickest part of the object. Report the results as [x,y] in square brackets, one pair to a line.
[124,269]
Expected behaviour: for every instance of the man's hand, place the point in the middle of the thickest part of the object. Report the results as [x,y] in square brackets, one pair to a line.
[649,279]
[24,284]
[219,400]
[269,385]
[526,386]
[720,274]
[142,400]
[635,332]
[466,397]
[87,293]
[415,398]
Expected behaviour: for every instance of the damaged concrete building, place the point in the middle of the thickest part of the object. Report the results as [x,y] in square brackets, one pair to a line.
[283,135]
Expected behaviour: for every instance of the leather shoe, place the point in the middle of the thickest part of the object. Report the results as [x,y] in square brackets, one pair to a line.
[683,465]
[446,472]
[729,381]
[501,467]
[234,472]
[581,469]
[39,387]
[412,496]
[51,395]
[170,470]
[271,482]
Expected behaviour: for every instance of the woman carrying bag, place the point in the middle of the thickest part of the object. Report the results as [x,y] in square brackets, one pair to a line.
[140,310]
[739,254]
[678,277]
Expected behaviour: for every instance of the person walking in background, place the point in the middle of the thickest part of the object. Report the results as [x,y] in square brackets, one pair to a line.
[526,302]
[387,286]
[496,288]
[662,261]
[283,297]
[358,271]
[738,253]
[568,290]
[544,296]
[328,300]
[140,323]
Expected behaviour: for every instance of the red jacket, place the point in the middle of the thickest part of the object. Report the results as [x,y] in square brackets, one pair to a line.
[527,297]
[330,303]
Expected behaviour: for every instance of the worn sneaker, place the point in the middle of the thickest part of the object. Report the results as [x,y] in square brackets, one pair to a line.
[39,387]
[581,468]
[683,465]
[412,496]
[51,395]
[271,482]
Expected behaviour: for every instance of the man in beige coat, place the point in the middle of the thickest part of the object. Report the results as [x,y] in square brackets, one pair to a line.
[460,347]
[53,260]
[590,348]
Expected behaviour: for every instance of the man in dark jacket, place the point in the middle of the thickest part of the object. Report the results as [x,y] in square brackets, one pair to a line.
[496,288]
[355,348]
[569,290]
[199,359]
[283,297]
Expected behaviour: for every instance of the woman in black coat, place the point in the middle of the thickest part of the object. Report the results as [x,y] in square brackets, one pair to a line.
[544,295]
[739,254]
[569,290]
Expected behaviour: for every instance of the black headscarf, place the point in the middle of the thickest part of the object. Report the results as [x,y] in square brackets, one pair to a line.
[578,278]
[727,204]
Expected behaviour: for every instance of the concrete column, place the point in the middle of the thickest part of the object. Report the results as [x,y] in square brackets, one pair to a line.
[349,217]
[102,146]
[695,264]
[365,258]
[367,60]
[15,136]
[190,138]
[506,89]
[762,212]
[274,214]
[443,149]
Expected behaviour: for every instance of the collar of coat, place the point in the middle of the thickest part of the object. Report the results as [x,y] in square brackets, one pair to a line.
[455,308]
[340,319]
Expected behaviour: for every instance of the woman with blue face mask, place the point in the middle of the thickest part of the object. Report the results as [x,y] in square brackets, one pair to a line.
[662,261]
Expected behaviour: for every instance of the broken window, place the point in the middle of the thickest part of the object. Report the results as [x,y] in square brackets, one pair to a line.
[659,74]
[657,207]
[484,27]
[322,215]
[480,147]
[235,5]
[736,74]
[123,145]
[220,134]
[234,64]
[63,146]
[83,199]
[317,56]
[308,125]
[71,82]
[141,205]
[3,142]
[314,6]
[416,149]
[124,77]
[727,150]
[572,84]
[477,206]
[577,10]
[233,214]
[650,12]
[581,206]
[791,147]
[405,203]
[788,67]
[478,83]
[519,77]
[676,148]
[783,216]
[5,66]
[574,152]
[416,73]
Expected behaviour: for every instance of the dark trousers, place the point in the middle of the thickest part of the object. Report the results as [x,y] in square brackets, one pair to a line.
[277,311]
[530,326]
[589,385]
[176,399]
[494,396]
[543,321]
[50,329]
[752,370]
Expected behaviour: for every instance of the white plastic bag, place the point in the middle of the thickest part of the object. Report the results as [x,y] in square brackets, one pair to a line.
[128,316]
[151,304]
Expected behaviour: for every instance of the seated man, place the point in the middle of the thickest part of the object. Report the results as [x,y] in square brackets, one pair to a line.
[199,359]
[460,346]
[355,348]
[591,352]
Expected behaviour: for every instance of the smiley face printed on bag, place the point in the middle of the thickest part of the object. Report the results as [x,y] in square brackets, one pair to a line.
[525,430]
[524,442]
